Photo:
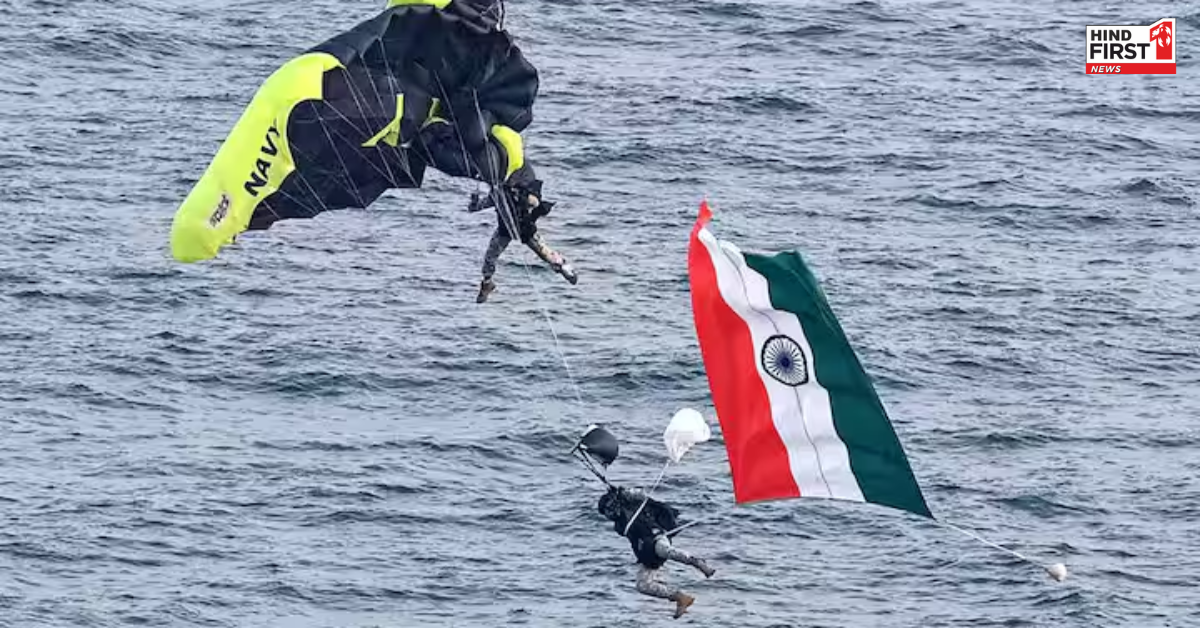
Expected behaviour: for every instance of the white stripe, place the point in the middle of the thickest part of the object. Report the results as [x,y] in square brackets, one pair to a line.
[802,415]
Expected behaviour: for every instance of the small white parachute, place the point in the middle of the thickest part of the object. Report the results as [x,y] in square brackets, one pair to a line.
[686,428]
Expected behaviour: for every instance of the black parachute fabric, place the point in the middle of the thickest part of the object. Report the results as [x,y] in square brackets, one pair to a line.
[341,124]
[600,444]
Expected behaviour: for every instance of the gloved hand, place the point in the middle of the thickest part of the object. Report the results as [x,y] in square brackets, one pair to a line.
[478,203]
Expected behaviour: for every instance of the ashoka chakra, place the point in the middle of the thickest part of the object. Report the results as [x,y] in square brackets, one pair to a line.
[783,360]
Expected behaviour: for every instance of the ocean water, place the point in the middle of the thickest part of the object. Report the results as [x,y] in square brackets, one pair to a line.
[322,429]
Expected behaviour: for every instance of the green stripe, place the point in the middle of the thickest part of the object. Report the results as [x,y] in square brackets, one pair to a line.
[876,456]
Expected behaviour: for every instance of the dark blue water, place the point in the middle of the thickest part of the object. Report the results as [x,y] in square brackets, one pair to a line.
[321,428]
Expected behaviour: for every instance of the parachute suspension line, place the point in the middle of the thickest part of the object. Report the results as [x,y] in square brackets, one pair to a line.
[391,176]
[394,86]
[462,146]
[329,137]
[591,467]
[708,519]
[284,193]
[553,333]
[646,499]
[311,190]
[508,215]
[352,143]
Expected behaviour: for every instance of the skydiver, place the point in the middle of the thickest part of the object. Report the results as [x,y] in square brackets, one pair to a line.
[527,208]
[440,146]
[651,543]
[459,93]
[501,165]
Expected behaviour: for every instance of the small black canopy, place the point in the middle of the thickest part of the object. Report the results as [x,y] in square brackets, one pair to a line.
[600,445]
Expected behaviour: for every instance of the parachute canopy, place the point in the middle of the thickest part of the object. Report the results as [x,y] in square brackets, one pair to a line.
[342,123]
[599,444]
[686,428]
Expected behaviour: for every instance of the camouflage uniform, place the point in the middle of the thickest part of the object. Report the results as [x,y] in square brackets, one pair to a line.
[648,582]
[529,210]
[645,522]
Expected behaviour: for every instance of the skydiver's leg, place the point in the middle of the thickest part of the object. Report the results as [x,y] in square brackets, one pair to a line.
[496,246]
[664,549]
[649,584]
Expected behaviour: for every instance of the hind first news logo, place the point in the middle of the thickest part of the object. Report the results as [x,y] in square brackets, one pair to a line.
[1132,49]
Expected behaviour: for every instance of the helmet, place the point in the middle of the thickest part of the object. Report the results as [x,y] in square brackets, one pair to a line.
[610,503]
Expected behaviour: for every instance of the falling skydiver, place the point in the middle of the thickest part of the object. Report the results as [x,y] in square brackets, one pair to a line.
[647,523]
[425,83]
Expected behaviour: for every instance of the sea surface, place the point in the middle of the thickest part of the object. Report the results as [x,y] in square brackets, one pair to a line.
[321,429]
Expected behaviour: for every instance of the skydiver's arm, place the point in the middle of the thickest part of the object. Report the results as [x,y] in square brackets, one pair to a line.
[480,203]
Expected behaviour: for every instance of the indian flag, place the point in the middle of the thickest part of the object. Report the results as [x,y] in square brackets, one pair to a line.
[799,414]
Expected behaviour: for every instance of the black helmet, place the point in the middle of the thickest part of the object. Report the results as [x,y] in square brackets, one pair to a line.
[610,503]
